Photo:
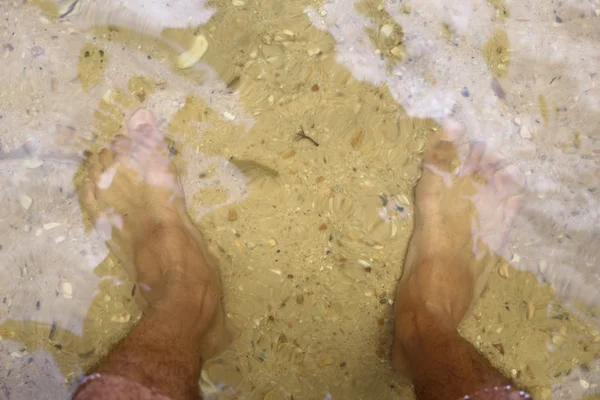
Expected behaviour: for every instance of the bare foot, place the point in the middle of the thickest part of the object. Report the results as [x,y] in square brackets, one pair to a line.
[136,202]
[463,214]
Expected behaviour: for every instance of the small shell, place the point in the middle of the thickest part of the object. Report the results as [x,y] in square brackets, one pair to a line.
[51,225]
[503,271]
[66,289]
[33,163]
[189,58]
[530,310]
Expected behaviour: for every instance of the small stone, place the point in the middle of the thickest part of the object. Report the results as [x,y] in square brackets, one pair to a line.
[499,347]
[327,360]
[272,242]
[288,154]
[121,318]
[238,3]
[33,163]
[233,216]
[364,263]
[250,245]
[25,201]
[386,30]
[313,51]
[517,121]
[465,92]
[525,133]
[584,384]
[597,12]
[497,89]
[397,51]
[59,239]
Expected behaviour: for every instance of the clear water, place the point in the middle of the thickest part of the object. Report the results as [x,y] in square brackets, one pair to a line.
[309,256]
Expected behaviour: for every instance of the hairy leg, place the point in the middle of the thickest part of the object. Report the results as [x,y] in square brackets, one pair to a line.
[136,202]
[462,218]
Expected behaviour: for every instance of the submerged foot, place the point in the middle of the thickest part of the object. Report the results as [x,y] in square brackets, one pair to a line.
[136,202]
[463,214]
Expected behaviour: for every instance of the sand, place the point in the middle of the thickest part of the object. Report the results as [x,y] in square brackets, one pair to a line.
[311,233]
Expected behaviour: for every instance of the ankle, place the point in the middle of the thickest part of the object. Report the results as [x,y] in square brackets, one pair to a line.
[417,325]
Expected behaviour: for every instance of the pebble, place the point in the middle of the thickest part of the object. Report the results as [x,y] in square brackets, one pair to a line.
[238,3]
[272,242]
[386,30]
[121,318]
[59,239]
[33,163]
[189,58]
[517,121]
[584,384]
[25,201]
[364,263]
[327,360]
[313,51]
[228,116]
[397,51]
[525,133]
[465,92]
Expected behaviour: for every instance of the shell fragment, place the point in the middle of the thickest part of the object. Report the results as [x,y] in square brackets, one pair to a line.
[189,58]
[25,201]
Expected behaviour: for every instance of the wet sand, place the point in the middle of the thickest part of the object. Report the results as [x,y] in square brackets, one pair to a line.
[299,135]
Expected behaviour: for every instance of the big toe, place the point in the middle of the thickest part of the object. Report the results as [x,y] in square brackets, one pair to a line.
[142,130]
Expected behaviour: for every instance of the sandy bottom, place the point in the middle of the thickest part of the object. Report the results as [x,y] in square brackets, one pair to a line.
[311,233]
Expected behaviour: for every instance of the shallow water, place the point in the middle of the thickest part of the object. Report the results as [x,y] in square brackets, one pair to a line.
[310,252]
